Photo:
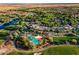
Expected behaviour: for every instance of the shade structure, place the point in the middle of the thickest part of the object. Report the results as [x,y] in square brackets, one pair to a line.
[39,37]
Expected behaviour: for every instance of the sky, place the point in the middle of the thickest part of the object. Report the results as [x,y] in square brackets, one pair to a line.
[39,1]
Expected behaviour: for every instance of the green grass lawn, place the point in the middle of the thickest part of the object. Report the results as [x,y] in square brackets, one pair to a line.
[19,53]
[62,40]
[66,38]
[62,50]
[3,34]
[1,41]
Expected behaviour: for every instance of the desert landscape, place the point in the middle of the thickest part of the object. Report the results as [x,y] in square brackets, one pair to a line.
[15,6]
[39,29]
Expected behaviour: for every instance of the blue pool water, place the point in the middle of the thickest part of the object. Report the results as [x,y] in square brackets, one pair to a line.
[34,40]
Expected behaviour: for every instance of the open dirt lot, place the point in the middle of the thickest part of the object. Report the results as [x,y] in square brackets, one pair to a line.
[4,7]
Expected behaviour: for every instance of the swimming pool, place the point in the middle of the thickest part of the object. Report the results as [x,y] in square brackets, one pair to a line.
[34,40]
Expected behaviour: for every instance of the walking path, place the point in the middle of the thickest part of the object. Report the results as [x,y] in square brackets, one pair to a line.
[5,49]
[39,51]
